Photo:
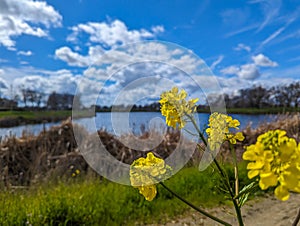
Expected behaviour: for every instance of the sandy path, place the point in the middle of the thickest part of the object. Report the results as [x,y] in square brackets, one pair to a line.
[266,211]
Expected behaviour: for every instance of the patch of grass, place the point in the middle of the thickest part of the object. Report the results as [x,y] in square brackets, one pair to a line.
[34,114]
[94,202]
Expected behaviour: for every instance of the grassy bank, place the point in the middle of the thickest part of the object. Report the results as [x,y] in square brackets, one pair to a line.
[16,118]
[84,199]
[34,114]
[95,202]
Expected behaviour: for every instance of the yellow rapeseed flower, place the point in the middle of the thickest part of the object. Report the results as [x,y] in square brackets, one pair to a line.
[146,172]
[276,159]
[174,107]
[218,131]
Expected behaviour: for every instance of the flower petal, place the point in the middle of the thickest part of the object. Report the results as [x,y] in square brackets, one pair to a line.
[282,193]
[267,180]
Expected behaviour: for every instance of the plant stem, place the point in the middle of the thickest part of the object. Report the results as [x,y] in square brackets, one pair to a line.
[197,128]
[296,221]
[222,173]
[236,170]
[236,206]
[195,207]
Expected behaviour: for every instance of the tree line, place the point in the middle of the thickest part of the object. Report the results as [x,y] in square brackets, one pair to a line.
[260,97]
[285,96]
[36,100]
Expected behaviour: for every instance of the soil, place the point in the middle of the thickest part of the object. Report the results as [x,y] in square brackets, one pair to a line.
[265,211]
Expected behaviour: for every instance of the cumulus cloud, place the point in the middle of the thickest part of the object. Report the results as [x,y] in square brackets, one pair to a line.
[250,71]
[72,58]
[110,34]
[114,58]
[95,73]
[246,71]
[62,81]
[122,67]
[3,83]
[18,17]
[231,70]
[242,46]
[263,61]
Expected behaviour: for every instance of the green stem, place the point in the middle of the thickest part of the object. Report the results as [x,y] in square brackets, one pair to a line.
[236,206]
[236,169]
[195,207]
[197,128]
[223,174]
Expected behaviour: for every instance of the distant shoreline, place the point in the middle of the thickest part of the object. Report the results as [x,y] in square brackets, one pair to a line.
[17,118]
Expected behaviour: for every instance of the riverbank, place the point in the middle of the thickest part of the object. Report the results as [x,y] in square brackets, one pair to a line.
[44,170]
[52,151]
[17,118]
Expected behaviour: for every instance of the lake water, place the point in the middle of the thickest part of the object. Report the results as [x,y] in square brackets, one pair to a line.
[135,122]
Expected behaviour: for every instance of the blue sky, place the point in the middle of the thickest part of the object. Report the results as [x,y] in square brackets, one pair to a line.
[50,45]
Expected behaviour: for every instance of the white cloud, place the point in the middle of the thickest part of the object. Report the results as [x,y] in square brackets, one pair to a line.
[158,29]
[250,71]
[263,61]
[94,73]
[246,71]
[110,34]
[231,70]
[216,62]
[242,30]
[34,82]
[278,32]
[233,84]
[72,58]
[18,17]
[144,51]
[61,81]
[25,53]
[242,46]
[272,36]
[42,80]
[3,83]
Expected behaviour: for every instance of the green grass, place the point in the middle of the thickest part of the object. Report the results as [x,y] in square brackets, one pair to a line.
[34,114]
[94,202]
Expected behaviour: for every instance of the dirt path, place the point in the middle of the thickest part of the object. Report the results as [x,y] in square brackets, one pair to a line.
[266,211]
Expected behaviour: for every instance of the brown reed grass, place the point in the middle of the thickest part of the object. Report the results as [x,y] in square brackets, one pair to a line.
[54,153]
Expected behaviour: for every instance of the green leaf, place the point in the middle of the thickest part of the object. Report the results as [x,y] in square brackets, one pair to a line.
[245,192]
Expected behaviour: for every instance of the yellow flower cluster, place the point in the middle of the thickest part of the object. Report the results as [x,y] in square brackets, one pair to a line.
[276,159]
[218,130]
[146,172]
[174,107]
